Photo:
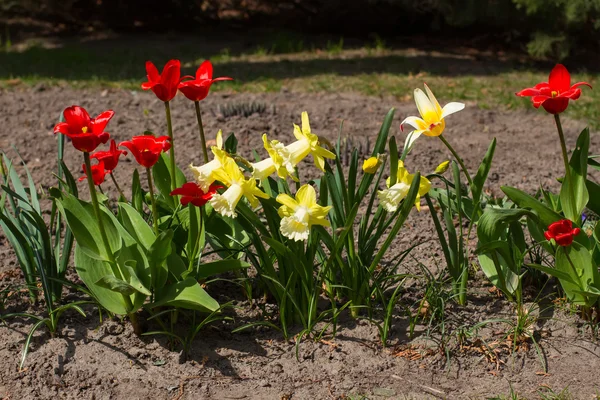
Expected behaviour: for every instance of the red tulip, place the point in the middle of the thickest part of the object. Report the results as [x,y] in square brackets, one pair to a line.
[555,94]
[562,232]
[146,149]
[85,133]
[197,89]
[109,158]
[164,85]
[191,193]
[98,173]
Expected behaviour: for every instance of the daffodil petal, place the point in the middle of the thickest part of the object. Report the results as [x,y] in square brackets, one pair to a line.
[452,108]
[306,196]
[305,122]
[287,201]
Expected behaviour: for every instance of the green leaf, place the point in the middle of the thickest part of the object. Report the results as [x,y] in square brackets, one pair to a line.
[218,267]
[594,192]
[127,288]
[135,225]
[574,195]
[185,294]
[230,144]
[82,221]
[494,221]
[393,161]
[576,261]
[137,194]
[161,173]
[90,271]
[558,274]
[546,215]
[157,256]
[482,172]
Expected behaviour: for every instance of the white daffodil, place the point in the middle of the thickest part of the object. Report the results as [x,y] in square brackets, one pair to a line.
[300,214]
[391,197]
[237,187]
[204,174]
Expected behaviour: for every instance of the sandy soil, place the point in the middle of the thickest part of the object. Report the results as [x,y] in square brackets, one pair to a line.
[93,360]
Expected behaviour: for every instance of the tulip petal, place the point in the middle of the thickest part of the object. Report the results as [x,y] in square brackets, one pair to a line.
[100,122]
[426,109]
[572,94]
[452,108]
[77,118]
[411,138]
[205,71]
[433,100]
[538,100]
[581,84]
[528,92]
[560,79]
[415,122]
[151,72]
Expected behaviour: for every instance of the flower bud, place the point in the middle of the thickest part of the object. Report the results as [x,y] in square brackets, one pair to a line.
[443,167]
[371,165]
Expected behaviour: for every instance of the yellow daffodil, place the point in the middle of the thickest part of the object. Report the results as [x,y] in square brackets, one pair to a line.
[300,214]
[283,159]
[279,161]
[204,174]
[443,167]
[371,165]
[432,118]
[238,186]
[391,197]
[307,143]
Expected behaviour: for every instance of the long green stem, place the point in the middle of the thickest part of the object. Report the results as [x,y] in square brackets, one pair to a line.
[117,185]
[172,150]
[563,147]
[153,201]
[201,130]
[111,256]
[458,159]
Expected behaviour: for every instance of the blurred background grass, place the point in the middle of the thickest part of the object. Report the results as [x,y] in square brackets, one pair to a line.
[470,50]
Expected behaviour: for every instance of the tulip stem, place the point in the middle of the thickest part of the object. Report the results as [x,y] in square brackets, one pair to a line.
[172,149]
[153,201]
[105,242]
[458,159]
[201,130]
[117,185]
[565,156]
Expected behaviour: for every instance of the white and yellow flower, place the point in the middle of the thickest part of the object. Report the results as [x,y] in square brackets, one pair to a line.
[237,187]
[300,214]
[204,174]
[432,121]
[391,197]
[283,159]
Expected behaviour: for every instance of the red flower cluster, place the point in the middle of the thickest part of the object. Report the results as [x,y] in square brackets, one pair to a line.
[562,232]
[191,193]
[555,94]
[165,84]
[85,133]
[146,149]
[98,173]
